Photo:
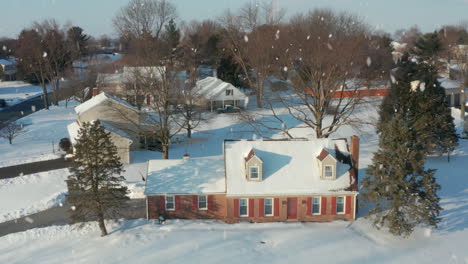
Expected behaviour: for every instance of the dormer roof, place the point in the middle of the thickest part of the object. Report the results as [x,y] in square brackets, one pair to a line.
[323,154]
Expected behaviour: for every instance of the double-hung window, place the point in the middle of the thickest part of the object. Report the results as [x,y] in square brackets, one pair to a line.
[170,204]
[202,202]
[268,206]
[229,92]
[328,172]
[340,204]
[244,207]
[316,205]
[253,172]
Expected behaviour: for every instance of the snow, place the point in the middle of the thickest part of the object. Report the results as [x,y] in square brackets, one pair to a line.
[15,92]
[142,241]
[44,129]
[97,100]
[213,88]
[289,168]
[30,194]
[192,176]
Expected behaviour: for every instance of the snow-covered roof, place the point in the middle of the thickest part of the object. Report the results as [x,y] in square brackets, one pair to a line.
[211,88]
[74,128]
[449,84]
[5,62]
[110,78]
[289,167]
[192,176]
[100,99]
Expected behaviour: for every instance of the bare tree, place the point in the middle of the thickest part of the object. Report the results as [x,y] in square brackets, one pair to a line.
[12,130]
[141,17]
[328,52]
[31,63]
[188,108]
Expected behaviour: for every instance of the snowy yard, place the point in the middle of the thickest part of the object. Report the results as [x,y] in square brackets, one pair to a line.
[16,92]
[143,241]
[44,129]
[30,194]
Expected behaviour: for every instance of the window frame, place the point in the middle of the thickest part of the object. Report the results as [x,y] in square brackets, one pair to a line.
[173,203]
[250,172]
[319,205]
[272,206]
[344,204]
[206,203]
[246,206]
[325,172]
[229,92]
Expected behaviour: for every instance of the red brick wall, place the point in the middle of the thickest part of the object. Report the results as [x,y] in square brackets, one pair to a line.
[226,209]
[185,207]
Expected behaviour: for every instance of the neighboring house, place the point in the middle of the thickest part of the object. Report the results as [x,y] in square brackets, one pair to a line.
[259,181]
[218,94]
[8,70]
[452,91]
[118,117]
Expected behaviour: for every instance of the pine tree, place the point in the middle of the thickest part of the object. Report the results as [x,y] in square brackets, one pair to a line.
[95,187]
[172,37]
[402,193]
[425,107]
[428,47]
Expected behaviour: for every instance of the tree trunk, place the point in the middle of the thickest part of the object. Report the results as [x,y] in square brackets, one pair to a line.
[463,102]
[102,226]
[10,140]
[189,131]
[45,96]
[165,151]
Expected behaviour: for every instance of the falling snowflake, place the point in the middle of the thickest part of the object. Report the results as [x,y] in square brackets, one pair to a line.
[285,69]
[330,36]
[322,18]
[392,78]
[330,47]
[4,48]
[73,208]
[277,35]
[29,220]
[369,61]
[308,37]
[44,55]
[246,38]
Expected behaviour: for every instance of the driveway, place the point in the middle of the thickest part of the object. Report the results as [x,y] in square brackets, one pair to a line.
[60,216]
[34,167]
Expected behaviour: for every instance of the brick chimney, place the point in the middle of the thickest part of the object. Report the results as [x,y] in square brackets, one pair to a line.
[355,158]
[95,91]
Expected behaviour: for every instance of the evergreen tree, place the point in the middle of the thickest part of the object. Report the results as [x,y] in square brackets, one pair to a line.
[424,107]
[402,193]
[172,37]
[428,47]
[95,187]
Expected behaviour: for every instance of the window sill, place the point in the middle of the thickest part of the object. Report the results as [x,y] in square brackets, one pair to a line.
[202,209]
[317,214]
[170,209]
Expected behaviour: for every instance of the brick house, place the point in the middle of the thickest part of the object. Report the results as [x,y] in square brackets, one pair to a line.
[259,181]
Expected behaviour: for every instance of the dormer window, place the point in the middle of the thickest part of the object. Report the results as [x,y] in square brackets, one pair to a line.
[253,166]
[254,173]
[327,165]
[328,172]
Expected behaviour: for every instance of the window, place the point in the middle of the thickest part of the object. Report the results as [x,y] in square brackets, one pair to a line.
[340,205]
[268,206]
[170,206]
[229,92]
[328,172]
[253,172]
[316,205]
[202,202]
[243,207]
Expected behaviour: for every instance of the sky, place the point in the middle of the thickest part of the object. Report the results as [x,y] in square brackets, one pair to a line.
[95,16]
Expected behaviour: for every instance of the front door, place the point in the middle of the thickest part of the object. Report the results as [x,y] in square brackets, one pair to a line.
[292,208]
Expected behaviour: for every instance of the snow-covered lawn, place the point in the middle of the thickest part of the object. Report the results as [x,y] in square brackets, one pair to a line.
[31,193]
[16,92]
[44,129]
[142,241]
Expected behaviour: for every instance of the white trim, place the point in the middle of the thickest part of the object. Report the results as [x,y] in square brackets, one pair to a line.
[344,205]
[312,205]
[173,202]
[250,173]
[355,206]
[247,211]
[272,206]
[147,209]
[325,172]
[206,202]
